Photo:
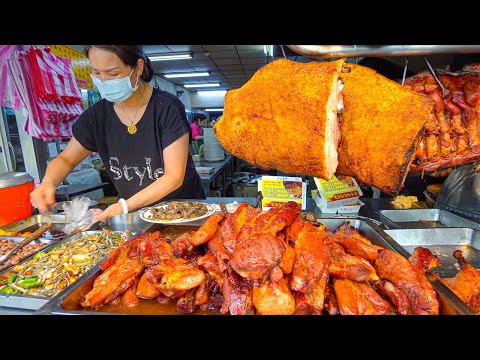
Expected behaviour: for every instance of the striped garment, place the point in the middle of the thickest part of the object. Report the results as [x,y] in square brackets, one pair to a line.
[44,119]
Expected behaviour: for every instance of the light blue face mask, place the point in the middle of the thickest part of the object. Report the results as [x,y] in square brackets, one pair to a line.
[115,90]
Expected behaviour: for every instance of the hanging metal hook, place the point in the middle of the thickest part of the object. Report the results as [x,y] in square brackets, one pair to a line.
[355,53]
[405,70]
[283,51]
[434,74]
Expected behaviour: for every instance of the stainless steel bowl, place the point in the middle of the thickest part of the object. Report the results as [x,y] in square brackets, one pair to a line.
[131,221]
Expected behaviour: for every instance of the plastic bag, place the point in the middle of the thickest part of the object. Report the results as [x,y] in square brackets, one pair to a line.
[9,96]
[78,216]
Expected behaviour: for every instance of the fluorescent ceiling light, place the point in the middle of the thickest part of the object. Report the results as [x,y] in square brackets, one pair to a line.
[268,50]
[214,110]
[202,85]
[170,56]
[181,75]
[215,92]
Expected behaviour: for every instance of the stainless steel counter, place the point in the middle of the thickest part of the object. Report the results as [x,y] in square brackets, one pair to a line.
[219,168]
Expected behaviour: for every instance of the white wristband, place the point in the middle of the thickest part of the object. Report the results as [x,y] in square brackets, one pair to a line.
[124,205]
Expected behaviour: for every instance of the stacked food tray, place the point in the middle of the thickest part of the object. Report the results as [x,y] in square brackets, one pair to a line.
[44,273]
[424,219]
[68,302]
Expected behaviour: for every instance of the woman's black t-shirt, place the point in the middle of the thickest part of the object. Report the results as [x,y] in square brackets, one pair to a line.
[135,161]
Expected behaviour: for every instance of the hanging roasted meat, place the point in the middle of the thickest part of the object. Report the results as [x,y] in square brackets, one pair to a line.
[285,118]
[380,125]
[452,132]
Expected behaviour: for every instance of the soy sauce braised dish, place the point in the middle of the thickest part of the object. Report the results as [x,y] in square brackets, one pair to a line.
[178,210]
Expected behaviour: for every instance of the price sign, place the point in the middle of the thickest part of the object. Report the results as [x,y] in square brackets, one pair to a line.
[80,64]
[278,190]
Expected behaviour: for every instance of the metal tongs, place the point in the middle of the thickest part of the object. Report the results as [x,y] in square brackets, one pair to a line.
[27,240]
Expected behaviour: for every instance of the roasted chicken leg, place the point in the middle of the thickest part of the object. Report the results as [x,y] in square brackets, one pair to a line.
[466,284]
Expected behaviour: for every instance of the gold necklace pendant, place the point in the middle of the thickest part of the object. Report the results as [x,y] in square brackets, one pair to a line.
[132,129]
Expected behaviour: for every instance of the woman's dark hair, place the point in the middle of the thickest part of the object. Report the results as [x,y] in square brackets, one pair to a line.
[129,54]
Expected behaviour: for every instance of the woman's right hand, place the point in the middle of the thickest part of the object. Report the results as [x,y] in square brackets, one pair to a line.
[43,197]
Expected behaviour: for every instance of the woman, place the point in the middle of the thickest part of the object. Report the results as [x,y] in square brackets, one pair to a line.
[141,134]
[196,131]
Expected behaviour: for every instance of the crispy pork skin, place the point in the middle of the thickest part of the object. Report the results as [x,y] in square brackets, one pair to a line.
[285,118]
[380,125]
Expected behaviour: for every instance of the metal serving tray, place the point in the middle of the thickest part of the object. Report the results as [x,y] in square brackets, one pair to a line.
[32,223]
[35,302]
[21,238]
[442,242]
[131,221]
[450,303]
[70,297]
[68,301]
[424,219]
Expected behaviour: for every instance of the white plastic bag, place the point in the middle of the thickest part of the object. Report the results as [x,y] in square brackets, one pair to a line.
[77,215]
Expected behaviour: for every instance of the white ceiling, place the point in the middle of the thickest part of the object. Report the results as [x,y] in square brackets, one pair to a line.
[230,65]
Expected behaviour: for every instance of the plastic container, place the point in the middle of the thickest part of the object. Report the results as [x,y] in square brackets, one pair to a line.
[15,189]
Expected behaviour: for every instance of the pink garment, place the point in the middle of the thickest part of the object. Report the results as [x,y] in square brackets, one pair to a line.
[196,131]
[9,96]
[44,119]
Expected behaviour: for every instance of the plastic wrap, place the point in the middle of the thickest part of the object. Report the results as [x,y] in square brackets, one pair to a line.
[78,216]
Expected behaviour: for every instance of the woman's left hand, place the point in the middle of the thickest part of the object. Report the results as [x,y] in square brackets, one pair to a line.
[112,210]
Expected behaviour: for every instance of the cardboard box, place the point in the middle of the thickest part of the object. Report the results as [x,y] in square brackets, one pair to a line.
[339,190]
[351,207]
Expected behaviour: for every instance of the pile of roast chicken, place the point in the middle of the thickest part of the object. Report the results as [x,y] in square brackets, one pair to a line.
[268,263]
